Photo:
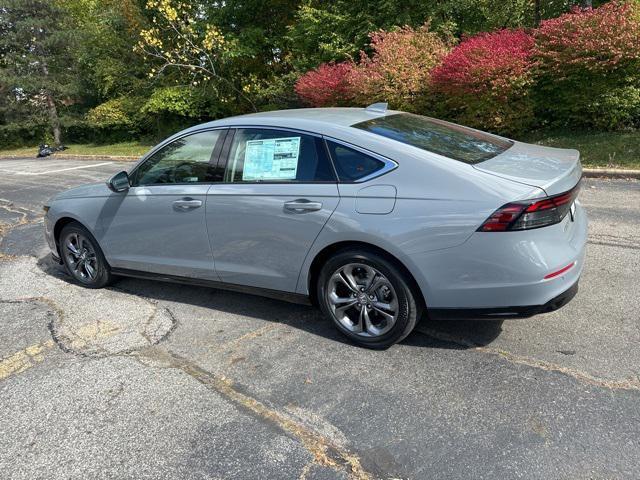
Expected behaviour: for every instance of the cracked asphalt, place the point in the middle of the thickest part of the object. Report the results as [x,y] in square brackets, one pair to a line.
[153,380]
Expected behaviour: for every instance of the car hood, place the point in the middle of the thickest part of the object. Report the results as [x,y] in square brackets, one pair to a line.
[555,170]
[83,191]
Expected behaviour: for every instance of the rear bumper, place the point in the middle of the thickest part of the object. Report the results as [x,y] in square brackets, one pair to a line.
[503,313]
[505,272]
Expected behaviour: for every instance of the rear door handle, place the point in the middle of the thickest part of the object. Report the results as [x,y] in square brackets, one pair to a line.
[187,203]
[302,205]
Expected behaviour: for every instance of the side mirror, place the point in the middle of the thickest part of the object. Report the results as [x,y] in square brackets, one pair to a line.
[119,182]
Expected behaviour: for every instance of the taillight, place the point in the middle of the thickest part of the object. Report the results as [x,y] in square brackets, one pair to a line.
[530,214]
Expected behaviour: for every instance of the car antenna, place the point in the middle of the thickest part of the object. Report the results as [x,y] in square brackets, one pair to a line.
[377,107]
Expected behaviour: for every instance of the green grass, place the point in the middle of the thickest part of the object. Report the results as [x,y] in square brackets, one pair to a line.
[127,149]
[597,149]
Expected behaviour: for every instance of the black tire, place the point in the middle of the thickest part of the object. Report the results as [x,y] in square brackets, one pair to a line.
[374,265]
[78,236]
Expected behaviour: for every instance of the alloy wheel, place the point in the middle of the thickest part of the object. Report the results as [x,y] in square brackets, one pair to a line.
[362,300]
[81,257]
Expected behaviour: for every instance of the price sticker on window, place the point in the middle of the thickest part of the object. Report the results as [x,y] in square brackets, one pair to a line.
[271,159]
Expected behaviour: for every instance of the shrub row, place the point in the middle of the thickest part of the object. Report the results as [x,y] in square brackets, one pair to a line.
[578,70]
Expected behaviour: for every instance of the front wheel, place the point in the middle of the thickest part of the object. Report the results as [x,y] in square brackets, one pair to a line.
[369,299]
[83,257]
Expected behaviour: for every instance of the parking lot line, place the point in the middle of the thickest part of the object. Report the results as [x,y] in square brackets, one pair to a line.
[64,169]
[24,359]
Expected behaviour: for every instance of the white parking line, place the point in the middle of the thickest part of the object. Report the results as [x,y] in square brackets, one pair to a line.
[64,169]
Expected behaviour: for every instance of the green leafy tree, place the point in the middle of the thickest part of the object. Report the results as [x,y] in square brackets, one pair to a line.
[38,71]
[109,66]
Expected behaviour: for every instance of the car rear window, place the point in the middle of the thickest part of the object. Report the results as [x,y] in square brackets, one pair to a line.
[452,141]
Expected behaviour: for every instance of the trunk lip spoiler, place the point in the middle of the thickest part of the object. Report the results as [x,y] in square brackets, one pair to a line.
[500,166]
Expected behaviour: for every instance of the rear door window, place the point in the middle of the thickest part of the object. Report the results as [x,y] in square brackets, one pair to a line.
[277,156]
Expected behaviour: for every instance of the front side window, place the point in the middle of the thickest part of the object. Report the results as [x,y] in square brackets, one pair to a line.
[185,160]
[280,156]
[353,165]
[452,141]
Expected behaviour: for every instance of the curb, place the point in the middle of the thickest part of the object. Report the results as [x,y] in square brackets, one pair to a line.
[610,173]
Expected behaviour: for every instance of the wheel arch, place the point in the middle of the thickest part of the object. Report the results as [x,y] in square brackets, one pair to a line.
[331,249]
[65,220]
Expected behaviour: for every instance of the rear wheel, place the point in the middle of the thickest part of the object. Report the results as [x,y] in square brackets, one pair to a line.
[368,298]
[83,257]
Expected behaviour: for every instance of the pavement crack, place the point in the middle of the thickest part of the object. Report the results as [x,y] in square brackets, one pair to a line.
[23,218]
[325,452]
[583,377]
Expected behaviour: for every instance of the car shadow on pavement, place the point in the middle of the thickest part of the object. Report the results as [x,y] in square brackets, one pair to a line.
[458,334]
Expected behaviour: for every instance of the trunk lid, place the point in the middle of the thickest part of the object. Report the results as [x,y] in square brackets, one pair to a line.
[555,170]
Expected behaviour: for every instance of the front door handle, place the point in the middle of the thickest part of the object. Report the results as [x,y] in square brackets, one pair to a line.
[302,205]
[187,203]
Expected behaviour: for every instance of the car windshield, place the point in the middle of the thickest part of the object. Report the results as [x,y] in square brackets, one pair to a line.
[452,141]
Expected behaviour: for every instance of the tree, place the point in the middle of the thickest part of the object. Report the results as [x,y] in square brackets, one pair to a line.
[37,66]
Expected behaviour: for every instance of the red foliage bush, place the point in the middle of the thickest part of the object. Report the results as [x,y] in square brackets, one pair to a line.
[326,86]
[398,72]
[489,62]
[485,81]
[588,65]
[597,40]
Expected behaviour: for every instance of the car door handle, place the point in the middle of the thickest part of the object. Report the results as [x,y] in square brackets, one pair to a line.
[187,204]
[302,205]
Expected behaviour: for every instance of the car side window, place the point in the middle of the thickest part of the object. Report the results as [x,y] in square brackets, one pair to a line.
[352,165]
[185,160]
[277,156]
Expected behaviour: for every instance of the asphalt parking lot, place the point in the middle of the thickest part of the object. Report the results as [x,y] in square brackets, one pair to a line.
[153,380]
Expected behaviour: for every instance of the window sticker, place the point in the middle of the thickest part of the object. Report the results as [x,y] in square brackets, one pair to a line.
[271,159]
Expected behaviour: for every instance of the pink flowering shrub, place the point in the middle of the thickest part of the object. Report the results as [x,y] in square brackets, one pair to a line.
[486,81]
[326,86]
[588,64]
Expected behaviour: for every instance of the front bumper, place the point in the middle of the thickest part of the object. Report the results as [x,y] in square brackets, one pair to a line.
[504,313]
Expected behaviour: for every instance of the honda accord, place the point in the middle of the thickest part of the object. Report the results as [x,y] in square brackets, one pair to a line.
[379,217]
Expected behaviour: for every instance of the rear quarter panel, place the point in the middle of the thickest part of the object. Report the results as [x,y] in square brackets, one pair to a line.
[437,206]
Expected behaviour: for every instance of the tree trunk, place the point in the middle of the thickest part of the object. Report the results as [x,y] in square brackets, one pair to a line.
[54,120]
[536,13]
[587,3]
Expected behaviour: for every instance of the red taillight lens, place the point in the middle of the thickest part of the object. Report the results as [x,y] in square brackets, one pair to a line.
[502,218]
[531,214]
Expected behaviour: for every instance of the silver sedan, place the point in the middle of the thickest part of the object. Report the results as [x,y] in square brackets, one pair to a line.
[379,217]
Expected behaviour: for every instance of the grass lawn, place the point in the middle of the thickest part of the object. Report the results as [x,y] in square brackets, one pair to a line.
[127,149]
[597,149]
